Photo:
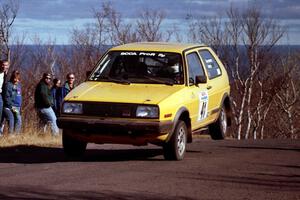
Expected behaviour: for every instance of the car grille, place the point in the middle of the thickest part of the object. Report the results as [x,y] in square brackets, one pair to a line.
[109,110]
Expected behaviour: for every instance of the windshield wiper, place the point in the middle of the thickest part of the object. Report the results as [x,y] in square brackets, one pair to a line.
[158,80]
[115,80]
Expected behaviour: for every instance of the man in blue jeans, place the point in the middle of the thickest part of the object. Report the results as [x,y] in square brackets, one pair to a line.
[44,101]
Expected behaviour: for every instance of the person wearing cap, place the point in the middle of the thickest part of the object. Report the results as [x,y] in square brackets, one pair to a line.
[44,102]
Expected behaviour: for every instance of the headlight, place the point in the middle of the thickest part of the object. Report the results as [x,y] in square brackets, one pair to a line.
[147,111]
[72,108]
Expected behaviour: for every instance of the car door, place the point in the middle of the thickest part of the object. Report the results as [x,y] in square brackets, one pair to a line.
[214,83]
[198,95]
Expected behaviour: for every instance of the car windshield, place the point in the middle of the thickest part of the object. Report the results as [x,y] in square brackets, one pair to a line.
[140,67]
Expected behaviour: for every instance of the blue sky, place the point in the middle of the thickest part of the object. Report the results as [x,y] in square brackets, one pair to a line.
[56,18]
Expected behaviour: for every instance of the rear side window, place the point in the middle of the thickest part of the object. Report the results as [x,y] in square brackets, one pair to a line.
[195,66]
[213,69]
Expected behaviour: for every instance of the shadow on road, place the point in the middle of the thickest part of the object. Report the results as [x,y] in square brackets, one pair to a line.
[36,154]
[261,181]
[33,192]
[263,148]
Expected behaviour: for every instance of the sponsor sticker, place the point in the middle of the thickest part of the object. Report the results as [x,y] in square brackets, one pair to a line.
[128,54]
[208,60]
[150,54]
[203,105]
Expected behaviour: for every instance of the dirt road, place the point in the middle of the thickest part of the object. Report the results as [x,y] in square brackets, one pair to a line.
[268,169]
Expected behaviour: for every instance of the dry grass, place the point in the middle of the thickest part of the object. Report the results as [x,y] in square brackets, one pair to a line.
[43,140]
[32,137]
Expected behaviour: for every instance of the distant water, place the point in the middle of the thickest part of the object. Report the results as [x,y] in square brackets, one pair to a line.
[58,49]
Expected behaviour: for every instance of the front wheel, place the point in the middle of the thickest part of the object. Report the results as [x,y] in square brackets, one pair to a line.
[72,147]
[218,129]
[175,148]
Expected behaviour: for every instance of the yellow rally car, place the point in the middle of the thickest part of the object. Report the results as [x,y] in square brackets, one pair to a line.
[142,93]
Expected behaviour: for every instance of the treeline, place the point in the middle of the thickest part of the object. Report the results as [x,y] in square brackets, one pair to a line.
[264,78]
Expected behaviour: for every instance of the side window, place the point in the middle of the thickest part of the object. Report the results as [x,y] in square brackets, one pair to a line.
[211,64]
[195,66]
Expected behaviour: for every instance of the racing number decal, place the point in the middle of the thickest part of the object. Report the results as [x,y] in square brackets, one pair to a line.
[203,105]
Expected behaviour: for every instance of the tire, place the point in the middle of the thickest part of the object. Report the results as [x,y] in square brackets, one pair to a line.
[175,148]
[219,129]
[72,147]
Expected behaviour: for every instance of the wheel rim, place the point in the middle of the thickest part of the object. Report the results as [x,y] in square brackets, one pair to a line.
[181,141]
[223,121]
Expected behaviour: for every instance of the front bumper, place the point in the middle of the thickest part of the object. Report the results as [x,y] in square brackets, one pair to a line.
[111,126]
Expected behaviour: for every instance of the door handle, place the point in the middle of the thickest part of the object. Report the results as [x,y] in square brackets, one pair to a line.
[209,87]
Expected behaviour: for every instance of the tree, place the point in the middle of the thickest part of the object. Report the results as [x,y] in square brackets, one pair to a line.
[287,96]
[149,26]
[8,14]
[83,54]
[119,32]
[243,41]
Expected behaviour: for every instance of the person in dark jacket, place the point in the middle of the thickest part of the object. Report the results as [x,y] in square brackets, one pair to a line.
[65,89]
[12,103]
[4,66]
[44,103]
[54,90]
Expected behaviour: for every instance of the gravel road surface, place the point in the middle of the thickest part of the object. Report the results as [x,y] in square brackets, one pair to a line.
[229,169]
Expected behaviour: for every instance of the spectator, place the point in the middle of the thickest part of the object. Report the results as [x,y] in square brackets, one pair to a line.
[65,89]
[12,97]
[55,87]
[44,103]
[4,66]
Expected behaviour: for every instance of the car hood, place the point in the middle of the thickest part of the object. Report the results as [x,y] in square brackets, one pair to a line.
[120,93]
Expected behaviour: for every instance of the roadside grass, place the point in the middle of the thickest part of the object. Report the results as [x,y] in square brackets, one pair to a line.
[31,138]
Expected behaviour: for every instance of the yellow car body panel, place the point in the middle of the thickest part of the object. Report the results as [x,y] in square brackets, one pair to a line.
[156,46]
[120,93]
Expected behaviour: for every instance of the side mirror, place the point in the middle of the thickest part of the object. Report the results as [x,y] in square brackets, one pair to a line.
[201,79]
[191,81]
[88,73]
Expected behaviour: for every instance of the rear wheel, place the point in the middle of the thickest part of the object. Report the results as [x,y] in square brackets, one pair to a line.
[219,129]
[72,147]
[175,148]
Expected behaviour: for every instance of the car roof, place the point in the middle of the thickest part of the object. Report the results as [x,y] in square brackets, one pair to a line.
[156,46]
